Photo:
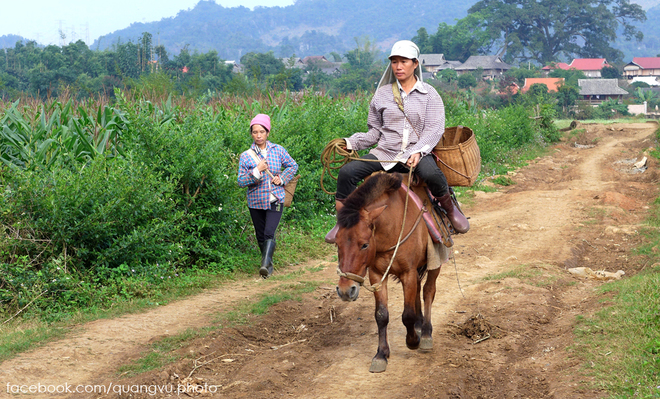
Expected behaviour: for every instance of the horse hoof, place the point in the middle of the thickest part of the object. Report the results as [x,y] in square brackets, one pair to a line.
[378,366]
[412,347]
[426,344]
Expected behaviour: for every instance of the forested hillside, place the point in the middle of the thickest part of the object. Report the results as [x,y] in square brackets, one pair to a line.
[9,41]
[306,28]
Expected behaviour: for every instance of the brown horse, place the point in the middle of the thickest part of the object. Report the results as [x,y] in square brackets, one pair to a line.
[369,225]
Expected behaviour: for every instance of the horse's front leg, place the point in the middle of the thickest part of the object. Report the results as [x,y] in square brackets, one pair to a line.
[411,308]
[379,362]
[426,343]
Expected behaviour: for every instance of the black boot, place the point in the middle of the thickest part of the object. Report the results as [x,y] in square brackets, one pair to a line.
[456,217]
[261,250]
[267,260]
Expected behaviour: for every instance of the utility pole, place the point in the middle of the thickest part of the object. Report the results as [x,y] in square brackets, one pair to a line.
[62,35]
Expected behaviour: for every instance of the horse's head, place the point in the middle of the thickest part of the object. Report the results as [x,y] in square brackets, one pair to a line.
[356,249]
[356,246]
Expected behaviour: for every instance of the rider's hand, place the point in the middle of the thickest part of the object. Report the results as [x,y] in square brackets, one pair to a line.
[277,180]
[413,160]
[261,166]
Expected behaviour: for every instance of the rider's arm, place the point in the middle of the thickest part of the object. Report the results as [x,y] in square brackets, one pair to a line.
[361,141]
[434,126]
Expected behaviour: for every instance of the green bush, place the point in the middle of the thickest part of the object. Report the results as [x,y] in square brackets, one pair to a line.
[78,231]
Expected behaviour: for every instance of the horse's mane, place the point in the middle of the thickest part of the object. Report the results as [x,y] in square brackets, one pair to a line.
[372,188]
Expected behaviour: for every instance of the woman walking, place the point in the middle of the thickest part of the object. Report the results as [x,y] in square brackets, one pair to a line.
[406,120]
[265,169]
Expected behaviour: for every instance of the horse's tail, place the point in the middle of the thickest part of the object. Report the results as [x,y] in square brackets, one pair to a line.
[422,270]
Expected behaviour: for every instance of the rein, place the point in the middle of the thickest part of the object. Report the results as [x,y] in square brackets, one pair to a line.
[376,287]
[335,152]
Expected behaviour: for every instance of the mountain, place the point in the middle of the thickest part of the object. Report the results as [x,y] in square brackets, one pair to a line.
[650,45]
[9,41]
[308,27]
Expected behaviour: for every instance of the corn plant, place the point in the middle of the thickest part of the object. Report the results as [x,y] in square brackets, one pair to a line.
[56,131]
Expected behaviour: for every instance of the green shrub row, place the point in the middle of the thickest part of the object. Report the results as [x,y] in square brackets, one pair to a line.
[80,230]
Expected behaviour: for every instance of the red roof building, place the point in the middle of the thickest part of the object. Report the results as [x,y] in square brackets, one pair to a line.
[642,66]
[552,83]
[590,66]
[558,65]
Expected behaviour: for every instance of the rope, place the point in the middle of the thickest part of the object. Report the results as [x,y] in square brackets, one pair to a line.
[335,155]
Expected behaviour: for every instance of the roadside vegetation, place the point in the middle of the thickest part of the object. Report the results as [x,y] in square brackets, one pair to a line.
[620,343]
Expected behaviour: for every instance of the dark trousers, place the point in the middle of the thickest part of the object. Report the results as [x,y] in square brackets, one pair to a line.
[265,221]
[355,171]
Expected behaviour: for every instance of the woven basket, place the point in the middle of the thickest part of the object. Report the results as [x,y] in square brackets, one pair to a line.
[458,156]
[289,190]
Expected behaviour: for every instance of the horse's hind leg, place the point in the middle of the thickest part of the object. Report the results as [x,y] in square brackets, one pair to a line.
[418,309]
[426,342]
[379,362]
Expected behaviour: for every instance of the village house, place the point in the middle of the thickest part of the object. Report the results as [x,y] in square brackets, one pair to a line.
[649,80]
[642,67]
[555,65]
[596,91]
[551,83]
[590,66]
[432,62]
[492,66]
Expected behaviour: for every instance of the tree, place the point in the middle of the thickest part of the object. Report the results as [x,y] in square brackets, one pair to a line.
[456,42]
[539,90]
[467,80]
[520,74]
[567,95]
[261,65]
[423,41]
[609,72]
[571,76]
[544,30]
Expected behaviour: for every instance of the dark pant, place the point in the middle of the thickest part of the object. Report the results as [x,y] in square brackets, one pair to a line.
[355,171]
[265,221]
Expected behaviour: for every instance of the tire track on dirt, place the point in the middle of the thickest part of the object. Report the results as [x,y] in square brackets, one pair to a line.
[97,348]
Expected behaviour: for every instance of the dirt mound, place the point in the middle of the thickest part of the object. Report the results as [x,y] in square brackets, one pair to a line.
[479,329]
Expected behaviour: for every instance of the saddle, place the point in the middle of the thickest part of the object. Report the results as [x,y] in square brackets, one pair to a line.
[439,227]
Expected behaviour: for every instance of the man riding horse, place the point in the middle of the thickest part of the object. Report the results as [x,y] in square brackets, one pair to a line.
[406,120]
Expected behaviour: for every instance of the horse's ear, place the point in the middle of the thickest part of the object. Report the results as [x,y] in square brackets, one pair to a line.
[374,213]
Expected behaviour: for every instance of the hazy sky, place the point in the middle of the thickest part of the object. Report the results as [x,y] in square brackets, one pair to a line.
[40,20]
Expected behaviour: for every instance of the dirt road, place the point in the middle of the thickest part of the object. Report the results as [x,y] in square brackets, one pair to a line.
[579,206]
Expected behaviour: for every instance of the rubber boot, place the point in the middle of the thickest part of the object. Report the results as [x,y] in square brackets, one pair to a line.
[331,237]
[261,250]
[267,261]
[456,217]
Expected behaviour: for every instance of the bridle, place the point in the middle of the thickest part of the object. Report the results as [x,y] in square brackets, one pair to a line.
[360,279]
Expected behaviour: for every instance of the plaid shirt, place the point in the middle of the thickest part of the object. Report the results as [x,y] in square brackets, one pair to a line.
[259,190]
[386,123]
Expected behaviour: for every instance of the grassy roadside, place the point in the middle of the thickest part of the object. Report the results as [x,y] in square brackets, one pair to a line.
[620,344]
[21,334]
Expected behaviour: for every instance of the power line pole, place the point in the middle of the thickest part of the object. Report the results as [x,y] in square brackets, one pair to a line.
[62,35]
